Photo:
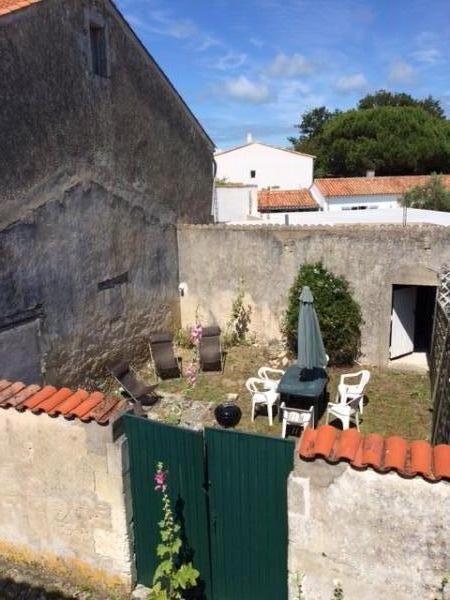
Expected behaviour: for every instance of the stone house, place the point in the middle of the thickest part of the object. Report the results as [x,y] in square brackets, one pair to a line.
[100,159]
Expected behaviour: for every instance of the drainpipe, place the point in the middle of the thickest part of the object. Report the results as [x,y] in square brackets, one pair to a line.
[213,200]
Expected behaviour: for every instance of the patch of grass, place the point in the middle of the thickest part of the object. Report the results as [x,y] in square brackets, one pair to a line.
[397,403]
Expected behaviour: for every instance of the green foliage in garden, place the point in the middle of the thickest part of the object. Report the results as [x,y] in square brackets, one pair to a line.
[172,576]
[393,134]
[431,196]
[339,314]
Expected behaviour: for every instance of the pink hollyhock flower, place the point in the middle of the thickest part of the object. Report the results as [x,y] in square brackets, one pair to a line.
[196,333]
[160,480]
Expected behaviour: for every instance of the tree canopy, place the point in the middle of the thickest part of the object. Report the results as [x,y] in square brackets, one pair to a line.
[433,195]
[394,134]
[385,98]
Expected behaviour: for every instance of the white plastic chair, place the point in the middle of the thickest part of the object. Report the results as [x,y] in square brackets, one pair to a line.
[262,394]
[272,376]
[296,416]
[347,410]
[353,391]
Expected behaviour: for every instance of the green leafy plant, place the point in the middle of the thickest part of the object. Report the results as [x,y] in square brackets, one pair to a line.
[298,579]
[338,313]
[182,338]
[172,577]
[240,318]
[433,195]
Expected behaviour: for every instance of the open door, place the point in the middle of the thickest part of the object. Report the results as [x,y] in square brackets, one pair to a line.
[403,321]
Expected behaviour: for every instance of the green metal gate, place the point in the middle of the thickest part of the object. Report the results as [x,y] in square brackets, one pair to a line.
[248,507]
[182,452]
[229,490]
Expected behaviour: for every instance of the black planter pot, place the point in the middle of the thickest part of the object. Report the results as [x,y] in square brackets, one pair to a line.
[228,414]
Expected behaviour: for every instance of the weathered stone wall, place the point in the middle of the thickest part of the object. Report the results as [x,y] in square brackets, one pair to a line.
[372,258]
[381,536]
[63,491]
[94,175]
[65,250]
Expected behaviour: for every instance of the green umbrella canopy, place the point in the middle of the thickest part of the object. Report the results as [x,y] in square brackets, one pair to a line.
[311,351]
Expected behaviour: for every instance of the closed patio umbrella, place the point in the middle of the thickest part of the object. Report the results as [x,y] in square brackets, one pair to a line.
[311,351]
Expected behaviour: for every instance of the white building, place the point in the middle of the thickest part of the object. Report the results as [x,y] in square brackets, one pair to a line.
[360,193]
[243,171]
[265,166]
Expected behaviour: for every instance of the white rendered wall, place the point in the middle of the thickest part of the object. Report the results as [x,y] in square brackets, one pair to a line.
[379,201]
[334,217]
[235,203]
[273,167]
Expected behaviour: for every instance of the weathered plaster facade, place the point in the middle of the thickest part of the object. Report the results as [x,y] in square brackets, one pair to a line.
[95,174]
[63,488]
[381,536]
[371,257]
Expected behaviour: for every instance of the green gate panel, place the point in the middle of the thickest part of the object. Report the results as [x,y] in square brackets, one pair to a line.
[248,512]
[182,453]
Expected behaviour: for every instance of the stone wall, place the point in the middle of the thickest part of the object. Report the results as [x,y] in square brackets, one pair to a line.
[371,257]
[95,173]
[69,252]
[381,536]
[63,490]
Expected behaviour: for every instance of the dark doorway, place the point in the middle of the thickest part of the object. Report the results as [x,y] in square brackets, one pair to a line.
[426,299]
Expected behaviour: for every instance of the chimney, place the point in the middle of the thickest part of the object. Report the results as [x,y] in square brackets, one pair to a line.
[370,173]
[249,138]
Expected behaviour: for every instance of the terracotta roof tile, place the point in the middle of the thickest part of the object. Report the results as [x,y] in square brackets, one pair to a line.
[53,401]
[10,391]
[286,200]
[408,459]
[9,6]
[84,409]
[369,186]
[441,456]
[22,396]
[64,401]
[71,403]
[39,397]
[395,453]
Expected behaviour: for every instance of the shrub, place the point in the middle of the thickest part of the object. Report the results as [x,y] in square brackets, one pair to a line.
[182,338]
[240,318]
[433,195]
[338,313]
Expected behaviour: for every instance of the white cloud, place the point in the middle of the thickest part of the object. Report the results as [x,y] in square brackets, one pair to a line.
[230,60]
[401,72]
[243,89]
[429,56]
[257,42]
[351,83]
[163,22]
[290,66]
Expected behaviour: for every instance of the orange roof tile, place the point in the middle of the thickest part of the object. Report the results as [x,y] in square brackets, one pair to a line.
[286,200]
[64,401]
[369,186]
[408,459]
[9,6]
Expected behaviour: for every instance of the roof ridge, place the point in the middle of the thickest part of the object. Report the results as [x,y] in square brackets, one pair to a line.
[291,150]
[55,402]
[383,454]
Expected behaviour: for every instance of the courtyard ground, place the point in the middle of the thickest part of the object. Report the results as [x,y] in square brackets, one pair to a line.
[397,403]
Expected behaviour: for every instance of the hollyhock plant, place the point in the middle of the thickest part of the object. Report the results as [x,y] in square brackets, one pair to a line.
[192,370]
[172,577]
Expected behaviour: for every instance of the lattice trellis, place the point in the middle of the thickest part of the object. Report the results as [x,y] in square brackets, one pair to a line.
[444,290]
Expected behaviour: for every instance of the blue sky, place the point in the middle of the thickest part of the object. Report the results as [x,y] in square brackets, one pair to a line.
[256,65]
